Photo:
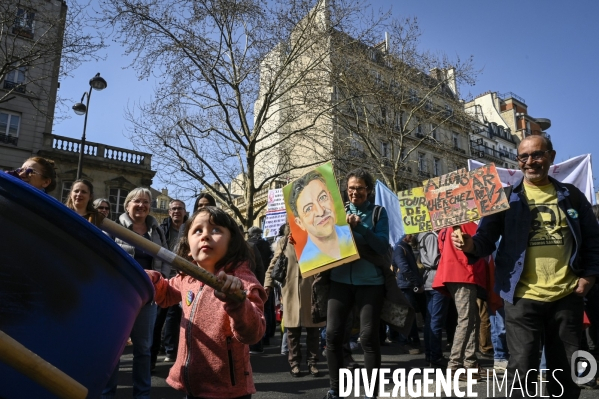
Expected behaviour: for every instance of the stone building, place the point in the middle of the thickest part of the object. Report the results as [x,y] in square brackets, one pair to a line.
[113,171]
[31,34]
[501,122]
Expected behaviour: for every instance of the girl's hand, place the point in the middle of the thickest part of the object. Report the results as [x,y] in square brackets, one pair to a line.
[154,276]
[230,284]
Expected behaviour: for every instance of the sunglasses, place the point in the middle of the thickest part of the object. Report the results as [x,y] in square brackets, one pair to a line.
[27,171]
[103,208]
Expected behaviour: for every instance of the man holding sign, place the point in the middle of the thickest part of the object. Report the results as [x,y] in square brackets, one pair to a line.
[546,263]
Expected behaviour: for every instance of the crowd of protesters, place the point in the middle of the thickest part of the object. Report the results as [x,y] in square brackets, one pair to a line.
[502,288]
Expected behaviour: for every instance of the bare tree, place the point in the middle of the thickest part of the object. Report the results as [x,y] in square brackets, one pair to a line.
[41,42]
[394,101]
[242,83]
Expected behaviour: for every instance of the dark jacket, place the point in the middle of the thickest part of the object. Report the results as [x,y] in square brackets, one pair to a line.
[265,253]
[404,264]
[514,226]
[166,226]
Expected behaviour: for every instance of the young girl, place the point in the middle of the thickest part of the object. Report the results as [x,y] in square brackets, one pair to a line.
[213,359]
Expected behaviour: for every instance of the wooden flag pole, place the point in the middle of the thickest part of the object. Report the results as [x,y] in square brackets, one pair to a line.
[165,255]
[458,231]
[31,365]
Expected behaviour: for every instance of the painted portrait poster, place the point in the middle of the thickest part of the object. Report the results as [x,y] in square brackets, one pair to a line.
[316,216]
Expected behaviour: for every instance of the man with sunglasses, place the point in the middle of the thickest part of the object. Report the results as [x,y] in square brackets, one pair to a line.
[546,263]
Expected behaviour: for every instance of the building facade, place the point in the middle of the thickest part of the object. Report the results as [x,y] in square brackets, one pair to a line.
[501,121]
[31,40]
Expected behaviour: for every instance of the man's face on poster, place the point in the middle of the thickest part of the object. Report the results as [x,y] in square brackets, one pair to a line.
[316,211]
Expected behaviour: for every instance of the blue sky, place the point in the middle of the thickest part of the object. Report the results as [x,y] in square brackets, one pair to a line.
[544,51]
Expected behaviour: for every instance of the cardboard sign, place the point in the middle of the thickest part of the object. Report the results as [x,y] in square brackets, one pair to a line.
[316,217]
[461,196]
[414,212]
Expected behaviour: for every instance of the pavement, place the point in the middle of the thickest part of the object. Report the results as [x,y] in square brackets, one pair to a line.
[273,380]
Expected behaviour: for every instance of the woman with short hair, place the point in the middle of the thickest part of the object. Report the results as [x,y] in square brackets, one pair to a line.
[137,218]
[102,205]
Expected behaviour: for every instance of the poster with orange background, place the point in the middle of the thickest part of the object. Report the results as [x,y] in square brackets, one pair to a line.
[316,217]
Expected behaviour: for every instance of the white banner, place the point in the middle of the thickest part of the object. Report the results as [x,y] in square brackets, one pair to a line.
[577,171]
[276,202]
[272,223]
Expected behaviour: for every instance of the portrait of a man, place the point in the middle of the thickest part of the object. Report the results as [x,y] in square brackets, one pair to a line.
[312,206]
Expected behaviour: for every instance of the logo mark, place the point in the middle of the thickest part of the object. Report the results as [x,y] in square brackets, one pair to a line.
[572,213]
[580,362]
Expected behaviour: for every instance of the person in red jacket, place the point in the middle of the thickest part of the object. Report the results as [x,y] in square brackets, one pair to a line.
[464,282]
[213,359]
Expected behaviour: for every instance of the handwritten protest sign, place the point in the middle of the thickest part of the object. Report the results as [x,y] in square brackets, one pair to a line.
[461,196]
[275,213]
[414,212]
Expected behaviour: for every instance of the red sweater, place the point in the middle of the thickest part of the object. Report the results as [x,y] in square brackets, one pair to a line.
[454,266]
[213,359]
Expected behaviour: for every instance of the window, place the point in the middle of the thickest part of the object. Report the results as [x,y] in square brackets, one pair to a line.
[419,130]
[429,105]
[398,123]
[433,131]
[385,150]
[448,111]
[117,201]
[162,204]
[9,127]
[422,162]
[24,23]
[66,189]
[456,140]
[15,79]
[413,96]
[437,167]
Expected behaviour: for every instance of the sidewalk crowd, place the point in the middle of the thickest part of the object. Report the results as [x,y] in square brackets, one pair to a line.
[516,287]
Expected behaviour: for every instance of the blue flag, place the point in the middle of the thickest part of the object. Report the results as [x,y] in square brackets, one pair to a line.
[388,199]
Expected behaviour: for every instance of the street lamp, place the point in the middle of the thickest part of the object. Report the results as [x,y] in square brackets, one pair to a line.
[96,83]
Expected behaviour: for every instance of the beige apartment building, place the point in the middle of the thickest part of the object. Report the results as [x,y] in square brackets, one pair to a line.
[363,107]
[501,121]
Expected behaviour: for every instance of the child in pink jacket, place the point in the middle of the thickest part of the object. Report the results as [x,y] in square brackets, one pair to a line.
[213,359]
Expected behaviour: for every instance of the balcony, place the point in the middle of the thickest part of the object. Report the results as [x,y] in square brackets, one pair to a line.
[482,151]
[458,149]
[14,86]
[8,139]
[100,152]
[424,173]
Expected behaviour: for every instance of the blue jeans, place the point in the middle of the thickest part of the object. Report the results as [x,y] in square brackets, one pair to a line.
[498,337]
[172,327]
[141,337]
[436,304]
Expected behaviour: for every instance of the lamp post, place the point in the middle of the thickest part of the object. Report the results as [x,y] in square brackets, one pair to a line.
[96,83]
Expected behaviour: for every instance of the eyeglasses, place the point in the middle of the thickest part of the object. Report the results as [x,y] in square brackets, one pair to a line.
[356,189]
[536,156]
[28,171]
[177,208]
[103,208]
